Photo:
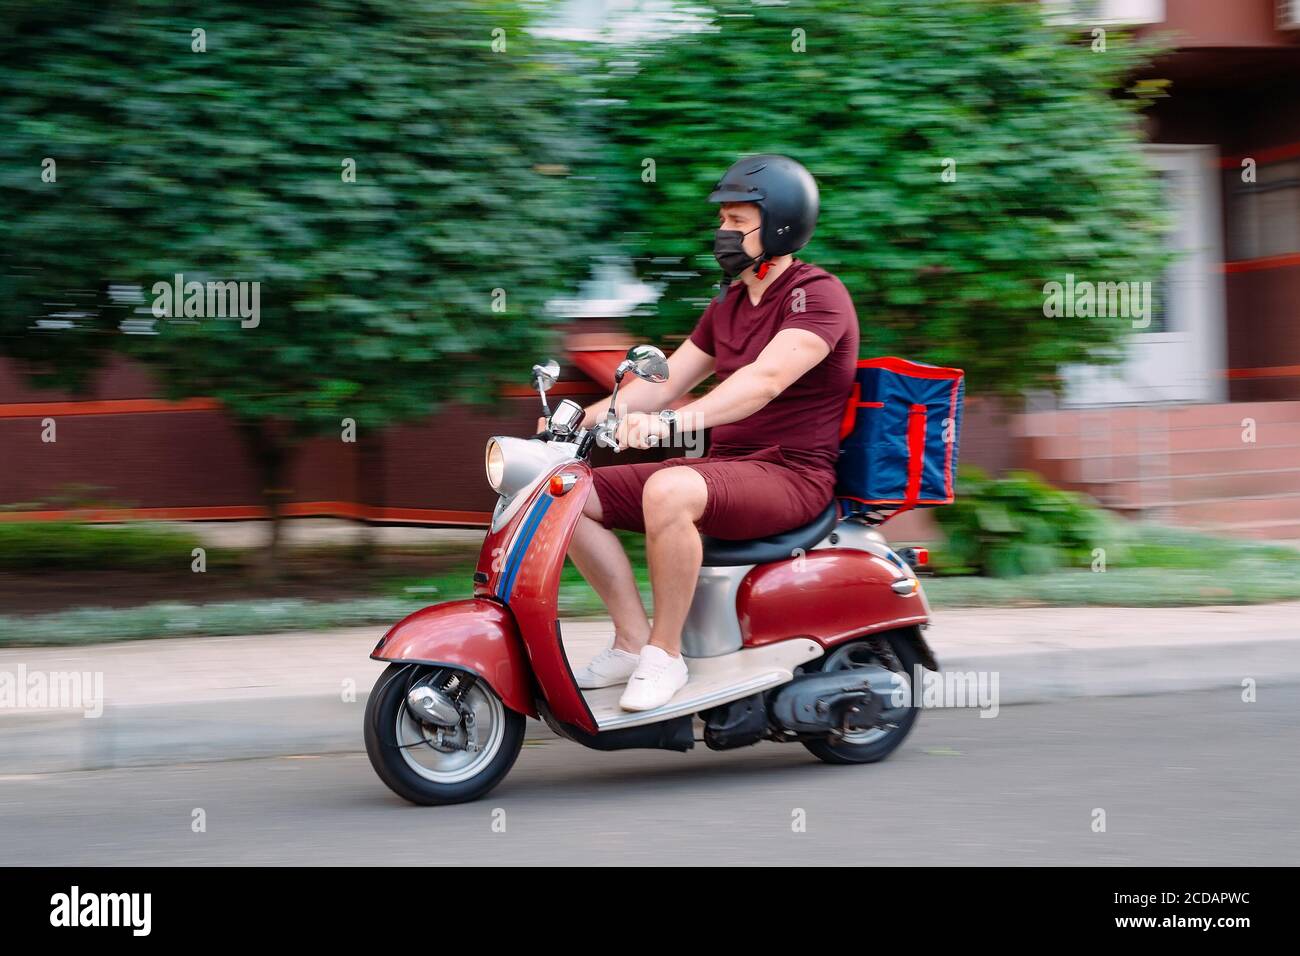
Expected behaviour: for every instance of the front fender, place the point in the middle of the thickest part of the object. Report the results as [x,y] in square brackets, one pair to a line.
[476,635]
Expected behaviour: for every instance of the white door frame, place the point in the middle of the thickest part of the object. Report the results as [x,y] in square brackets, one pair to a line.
[1186,362]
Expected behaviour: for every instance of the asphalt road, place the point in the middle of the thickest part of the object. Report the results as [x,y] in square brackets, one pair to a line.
[1197,778]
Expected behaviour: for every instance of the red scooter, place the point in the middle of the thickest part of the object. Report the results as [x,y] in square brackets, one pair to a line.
[813,635]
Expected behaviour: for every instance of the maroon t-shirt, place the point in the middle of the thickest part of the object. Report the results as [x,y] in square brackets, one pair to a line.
[805,418]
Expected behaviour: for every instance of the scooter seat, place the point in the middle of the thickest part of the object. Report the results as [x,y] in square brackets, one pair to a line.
[719,552]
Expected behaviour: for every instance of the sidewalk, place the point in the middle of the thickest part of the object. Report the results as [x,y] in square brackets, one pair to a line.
[190,699]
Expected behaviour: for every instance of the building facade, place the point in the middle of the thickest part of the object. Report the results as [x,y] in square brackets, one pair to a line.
[1201,423]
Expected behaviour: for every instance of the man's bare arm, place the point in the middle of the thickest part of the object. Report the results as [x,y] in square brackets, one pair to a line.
[687,367]
[786,359]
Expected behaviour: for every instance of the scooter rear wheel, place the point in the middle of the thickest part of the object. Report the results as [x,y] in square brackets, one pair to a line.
[895,651]
[417,762]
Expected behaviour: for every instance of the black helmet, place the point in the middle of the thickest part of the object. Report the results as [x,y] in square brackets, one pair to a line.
[786,195]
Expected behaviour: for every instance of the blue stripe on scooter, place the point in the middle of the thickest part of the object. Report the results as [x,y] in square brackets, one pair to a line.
[517,549]
[516,559]
[521,546]
[512,558]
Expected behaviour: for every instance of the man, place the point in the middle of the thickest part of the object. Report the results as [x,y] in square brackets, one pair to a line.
[782,338]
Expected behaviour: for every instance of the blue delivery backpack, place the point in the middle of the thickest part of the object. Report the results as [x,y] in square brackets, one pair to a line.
[898,440]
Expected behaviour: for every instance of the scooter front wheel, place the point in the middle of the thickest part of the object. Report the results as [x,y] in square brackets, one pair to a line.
[435,765]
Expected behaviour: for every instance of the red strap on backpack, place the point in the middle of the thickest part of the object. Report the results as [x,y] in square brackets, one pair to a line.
[851,412]
[916,422]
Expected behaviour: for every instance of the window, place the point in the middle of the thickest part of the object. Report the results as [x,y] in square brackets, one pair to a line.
[1264,216]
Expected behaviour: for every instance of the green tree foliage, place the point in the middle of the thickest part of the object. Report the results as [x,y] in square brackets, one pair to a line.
[376,296]
[873,96]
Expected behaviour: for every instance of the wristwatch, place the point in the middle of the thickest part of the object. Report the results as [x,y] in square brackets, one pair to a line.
[669,418]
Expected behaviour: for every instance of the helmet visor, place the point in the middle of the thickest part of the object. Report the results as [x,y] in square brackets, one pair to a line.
[736,192]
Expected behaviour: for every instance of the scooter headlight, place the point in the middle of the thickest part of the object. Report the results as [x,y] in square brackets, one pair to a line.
[514,463]
[496,464]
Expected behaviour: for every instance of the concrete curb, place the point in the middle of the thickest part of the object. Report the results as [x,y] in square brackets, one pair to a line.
[309,719]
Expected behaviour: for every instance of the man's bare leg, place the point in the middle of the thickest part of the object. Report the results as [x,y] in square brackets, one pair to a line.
[672,500]
[597,553]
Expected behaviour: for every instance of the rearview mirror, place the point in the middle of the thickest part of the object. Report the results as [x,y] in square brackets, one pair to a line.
[546,374]
[647,362]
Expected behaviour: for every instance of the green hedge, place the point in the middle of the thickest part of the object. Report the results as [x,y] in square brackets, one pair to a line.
[1004,527]
[68,546]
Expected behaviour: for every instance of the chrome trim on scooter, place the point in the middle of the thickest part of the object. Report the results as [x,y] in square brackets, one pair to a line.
[432,706]
[858,537]
[712,628]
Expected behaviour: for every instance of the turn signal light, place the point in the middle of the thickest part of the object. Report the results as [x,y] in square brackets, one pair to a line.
[561,483]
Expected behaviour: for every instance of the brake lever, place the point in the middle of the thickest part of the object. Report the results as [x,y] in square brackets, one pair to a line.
[605,440]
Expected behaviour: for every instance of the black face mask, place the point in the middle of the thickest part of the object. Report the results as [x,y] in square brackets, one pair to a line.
[729,250]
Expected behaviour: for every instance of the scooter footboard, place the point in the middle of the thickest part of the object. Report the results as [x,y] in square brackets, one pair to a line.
[475,635]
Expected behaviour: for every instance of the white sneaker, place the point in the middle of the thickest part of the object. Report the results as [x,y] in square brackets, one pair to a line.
[611,666]
[658,677]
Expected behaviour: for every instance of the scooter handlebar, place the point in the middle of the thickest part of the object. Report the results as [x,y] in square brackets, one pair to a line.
[603,434]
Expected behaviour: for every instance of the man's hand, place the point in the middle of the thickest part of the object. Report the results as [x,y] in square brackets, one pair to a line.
[639,430]
[541,425]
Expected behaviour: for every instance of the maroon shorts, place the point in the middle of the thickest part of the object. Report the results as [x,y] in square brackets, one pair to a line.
[749,496]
